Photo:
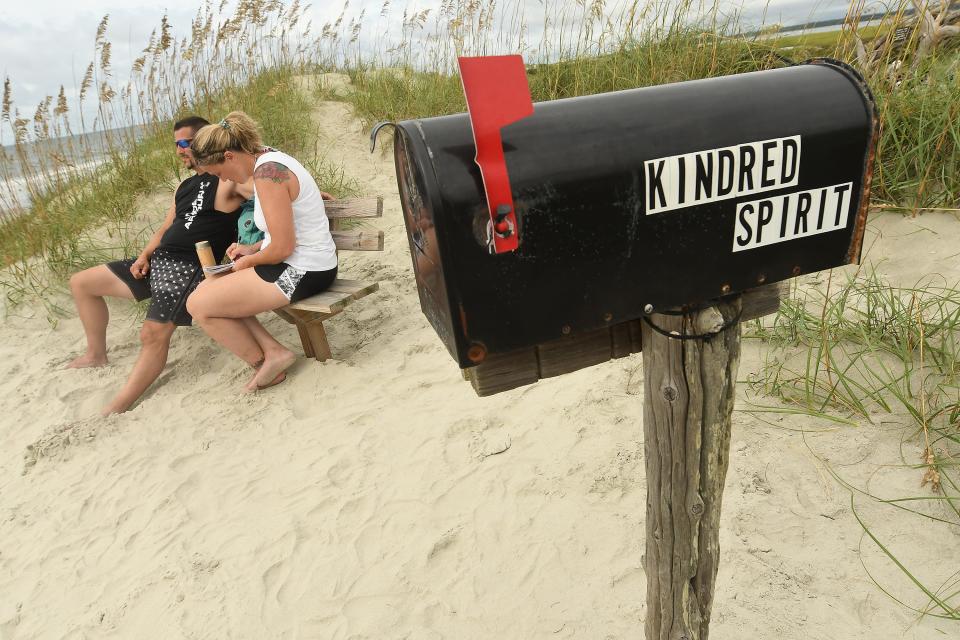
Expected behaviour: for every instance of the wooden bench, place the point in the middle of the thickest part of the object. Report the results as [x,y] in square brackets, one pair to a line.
[308,314]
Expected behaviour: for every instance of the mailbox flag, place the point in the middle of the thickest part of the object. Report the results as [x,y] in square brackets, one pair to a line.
[497,95]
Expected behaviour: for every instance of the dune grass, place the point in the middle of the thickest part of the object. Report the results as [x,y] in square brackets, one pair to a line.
[408,94]
[918,155]
[77,217]
[862,350]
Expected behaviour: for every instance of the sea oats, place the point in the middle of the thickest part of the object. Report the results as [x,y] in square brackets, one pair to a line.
[62,108]
[7,100]
[102,30]
[87,81]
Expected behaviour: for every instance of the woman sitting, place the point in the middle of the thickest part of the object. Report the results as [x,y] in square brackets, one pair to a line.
[296,259]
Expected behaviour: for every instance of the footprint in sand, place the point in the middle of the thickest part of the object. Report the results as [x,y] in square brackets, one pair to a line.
[197,497]
[88,399]
[446,540]
[341,472]
[320,512]
[275,580]
[476,440]
[187,463]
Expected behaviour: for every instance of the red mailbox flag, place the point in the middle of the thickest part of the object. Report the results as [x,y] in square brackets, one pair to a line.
[497,95]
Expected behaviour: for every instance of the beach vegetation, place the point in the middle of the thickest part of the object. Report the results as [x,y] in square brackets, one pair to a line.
[585,51]
[855,349]
[73,175]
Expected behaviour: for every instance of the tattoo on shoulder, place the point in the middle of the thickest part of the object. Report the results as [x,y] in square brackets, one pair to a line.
[273,171]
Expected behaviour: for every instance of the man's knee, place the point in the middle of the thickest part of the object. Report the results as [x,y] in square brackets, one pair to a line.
[98,282]
[156,334]
[80,281]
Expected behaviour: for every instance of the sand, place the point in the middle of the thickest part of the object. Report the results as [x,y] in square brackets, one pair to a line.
[374,496]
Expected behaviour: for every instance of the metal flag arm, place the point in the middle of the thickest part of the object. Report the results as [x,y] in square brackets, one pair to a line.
[497,95]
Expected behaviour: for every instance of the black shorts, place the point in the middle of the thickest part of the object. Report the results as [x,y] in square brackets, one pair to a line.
[296,284]
[171,279]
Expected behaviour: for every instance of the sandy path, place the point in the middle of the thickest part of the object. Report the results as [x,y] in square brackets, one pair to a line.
[374,496]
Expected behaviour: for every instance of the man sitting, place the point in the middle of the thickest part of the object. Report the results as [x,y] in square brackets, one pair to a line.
[167,270]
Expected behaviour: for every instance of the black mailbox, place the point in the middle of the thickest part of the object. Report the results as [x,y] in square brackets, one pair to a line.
[637,200]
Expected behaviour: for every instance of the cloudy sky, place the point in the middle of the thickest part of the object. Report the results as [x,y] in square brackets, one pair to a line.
[48,43]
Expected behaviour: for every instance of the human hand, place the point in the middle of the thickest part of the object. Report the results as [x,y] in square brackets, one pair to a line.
[326,196]
[244,262]
[237,250]
[140,266]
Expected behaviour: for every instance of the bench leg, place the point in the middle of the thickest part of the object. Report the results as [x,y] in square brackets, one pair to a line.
[318,341]
[305,340]
[312,335]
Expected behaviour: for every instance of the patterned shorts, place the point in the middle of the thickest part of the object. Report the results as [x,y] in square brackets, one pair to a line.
[170,281]
[296,284]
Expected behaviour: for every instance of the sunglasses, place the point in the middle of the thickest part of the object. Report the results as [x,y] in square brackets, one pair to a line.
[185,143]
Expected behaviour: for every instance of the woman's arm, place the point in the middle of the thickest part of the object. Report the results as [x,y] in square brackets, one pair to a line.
[277,188]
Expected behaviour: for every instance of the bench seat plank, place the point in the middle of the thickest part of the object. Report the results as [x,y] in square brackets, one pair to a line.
[356,287]
[334,299]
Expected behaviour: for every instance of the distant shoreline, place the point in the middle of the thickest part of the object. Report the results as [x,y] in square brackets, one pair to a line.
[76,154]
[820,24]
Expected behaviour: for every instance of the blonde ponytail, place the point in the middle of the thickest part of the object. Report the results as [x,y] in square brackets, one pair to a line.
[236,132]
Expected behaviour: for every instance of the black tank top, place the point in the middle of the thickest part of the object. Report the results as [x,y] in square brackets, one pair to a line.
[197,220]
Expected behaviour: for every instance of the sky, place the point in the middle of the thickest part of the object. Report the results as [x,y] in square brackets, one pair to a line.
[48,43]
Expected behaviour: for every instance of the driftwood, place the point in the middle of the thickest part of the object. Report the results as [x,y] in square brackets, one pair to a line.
[919,34]
[933,29]
[688,402]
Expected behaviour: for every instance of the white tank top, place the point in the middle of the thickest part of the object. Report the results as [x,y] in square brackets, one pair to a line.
[314,249]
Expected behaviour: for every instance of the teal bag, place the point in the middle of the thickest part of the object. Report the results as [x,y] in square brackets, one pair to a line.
[247,231]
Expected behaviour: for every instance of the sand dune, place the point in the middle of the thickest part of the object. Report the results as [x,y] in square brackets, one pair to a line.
[374,496]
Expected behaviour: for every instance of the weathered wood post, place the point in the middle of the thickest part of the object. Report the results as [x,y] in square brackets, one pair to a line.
[689,386]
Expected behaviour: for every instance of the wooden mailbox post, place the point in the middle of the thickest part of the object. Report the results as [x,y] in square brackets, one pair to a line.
[688,396]
[655,219]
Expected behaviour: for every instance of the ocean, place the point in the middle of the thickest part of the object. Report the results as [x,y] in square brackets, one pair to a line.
[36,162]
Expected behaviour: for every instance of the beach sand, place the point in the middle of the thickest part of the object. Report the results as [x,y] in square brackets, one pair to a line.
[375,496]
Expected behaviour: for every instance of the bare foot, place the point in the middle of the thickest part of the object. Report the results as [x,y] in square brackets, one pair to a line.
[274,364]
[86,361]
[254,388]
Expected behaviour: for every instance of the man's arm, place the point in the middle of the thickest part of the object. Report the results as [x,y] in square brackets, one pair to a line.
[141,265]
[244,189]
[230,195]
